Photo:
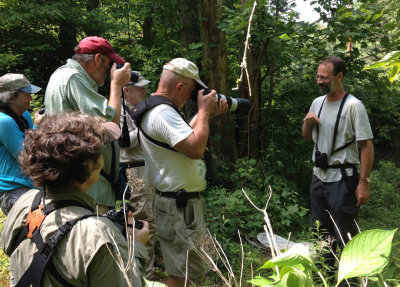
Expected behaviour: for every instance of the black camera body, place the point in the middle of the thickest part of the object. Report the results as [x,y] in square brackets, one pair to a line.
[118,218]
[134,75]
[42,110]
[240,106]
[321,159]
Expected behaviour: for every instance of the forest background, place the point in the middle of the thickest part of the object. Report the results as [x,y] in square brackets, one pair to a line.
[261,150]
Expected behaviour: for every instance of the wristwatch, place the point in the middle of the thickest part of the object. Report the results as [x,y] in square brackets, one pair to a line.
[366,179]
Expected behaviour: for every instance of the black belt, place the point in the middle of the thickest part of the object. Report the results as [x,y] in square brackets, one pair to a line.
[133,164]
[174,194]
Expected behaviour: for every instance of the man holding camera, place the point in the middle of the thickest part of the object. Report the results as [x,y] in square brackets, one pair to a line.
[338,123]
[173,151]
[74,87]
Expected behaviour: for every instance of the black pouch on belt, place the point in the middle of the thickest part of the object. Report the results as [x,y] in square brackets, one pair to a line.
[181,198]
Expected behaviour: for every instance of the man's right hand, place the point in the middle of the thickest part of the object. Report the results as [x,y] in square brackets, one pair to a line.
[311,118]
[120,77]
[309,121]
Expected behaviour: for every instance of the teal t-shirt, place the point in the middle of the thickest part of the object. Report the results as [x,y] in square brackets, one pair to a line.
[11,138]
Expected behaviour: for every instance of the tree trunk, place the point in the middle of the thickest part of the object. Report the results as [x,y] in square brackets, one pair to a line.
[215,62]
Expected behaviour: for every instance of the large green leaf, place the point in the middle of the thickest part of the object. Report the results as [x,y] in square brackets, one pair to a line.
[298,254]
[393,72]
[366,254]
[292,277]
[260,281]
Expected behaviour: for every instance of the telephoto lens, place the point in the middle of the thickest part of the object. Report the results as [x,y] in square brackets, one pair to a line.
[240,106]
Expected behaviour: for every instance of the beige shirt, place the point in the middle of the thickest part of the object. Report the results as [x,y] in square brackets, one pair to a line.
[85,256]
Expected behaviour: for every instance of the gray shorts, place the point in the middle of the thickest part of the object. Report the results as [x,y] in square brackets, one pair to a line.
[176,229]
[9,197]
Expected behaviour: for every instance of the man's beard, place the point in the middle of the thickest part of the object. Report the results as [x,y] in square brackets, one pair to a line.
[324,89]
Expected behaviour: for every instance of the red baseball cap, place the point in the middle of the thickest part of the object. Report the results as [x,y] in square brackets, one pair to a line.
[94,45]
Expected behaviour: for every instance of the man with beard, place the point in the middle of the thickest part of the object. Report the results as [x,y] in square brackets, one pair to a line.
[338,123]
[74,87]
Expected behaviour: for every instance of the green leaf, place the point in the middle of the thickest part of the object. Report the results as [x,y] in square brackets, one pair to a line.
[260,281]
[366,254]
[393,72]
[291,277]
[345,15]
[298,254]
[285,37]
[376,65]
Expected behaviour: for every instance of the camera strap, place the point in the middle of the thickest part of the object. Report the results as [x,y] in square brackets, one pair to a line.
[42,258]
[22,123]
[336,127]
[124,140]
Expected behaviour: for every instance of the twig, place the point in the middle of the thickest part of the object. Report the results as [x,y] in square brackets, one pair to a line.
[243,65]
[242,266]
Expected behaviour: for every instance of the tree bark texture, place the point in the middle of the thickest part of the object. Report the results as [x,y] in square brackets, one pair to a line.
[215,64]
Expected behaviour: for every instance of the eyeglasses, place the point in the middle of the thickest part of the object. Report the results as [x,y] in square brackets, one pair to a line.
[322,78]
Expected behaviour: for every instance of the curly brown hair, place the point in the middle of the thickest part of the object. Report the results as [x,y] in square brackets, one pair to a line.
[63,150]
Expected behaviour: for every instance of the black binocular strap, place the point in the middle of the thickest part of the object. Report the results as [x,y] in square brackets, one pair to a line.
[319,114]
[41,259]
[21,121]
[336,127]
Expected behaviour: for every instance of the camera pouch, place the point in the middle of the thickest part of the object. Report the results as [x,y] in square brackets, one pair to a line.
[181,198]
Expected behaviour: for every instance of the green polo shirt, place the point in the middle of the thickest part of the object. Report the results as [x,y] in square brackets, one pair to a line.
[85,256]
[70,88]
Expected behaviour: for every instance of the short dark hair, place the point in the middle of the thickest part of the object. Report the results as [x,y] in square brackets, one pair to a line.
[63,149]
[337,63]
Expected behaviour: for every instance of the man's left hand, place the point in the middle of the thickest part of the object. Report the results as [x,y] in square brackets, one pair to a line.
[362,193]
[221,108]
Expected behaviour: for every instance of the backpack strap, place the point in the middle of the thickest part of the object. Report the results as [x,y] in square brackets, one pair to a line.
[42,258]
[141,109]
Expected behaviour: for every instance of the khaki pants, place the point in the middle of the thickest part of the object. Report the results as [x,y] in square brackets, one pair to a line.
[180,231]
[142,200]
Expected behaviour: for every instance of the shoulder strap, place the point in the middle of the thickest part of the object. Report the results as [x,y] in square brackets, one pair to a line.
[140,110]
[42,258]
[46,210]
[336,127]
[33,275]
[21,121]
[319,114]
[124,140]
